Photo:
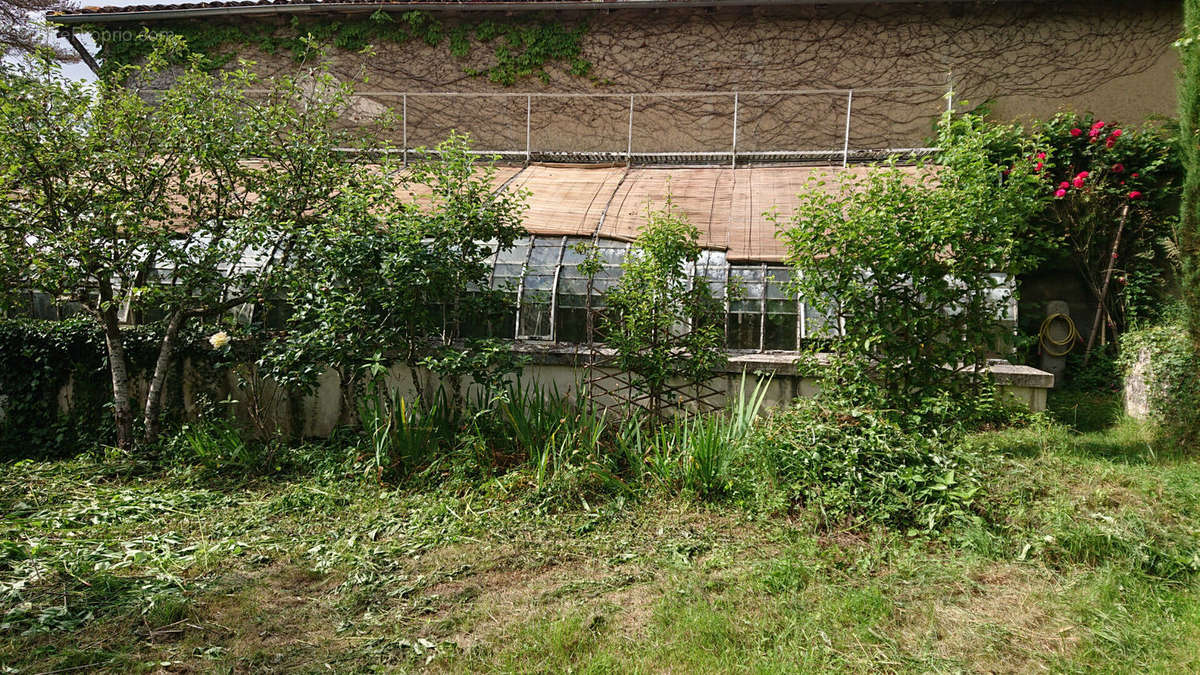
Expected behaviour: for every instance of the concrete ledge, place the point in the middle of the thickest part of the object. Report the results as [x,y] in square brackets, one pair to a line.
[1004,373]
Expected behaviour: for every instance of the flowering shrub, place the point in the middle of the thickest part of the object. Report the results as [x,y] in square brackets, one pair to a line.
[1092,172]
[1116,193]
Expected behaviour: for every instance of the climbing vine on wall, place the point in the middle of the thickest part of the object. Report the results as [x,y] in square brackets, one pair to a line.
[522,48]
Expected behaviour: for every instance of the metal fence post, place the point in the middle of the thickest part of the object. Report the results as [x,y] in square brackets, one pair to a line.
[949,91]
[846,142]
[404,122]
[733,159]
[528,122]
[629,144]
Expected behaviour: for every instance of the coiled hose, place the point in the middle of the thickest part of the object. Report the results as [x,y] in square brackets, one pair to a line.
[1058,347]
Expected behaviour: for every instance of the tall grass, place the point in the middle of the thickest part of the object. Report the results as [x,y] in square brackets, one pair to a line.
[405,435]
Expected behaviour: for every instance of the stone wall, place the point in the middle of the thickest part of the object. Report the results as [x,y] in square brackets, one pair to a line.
[1028,59]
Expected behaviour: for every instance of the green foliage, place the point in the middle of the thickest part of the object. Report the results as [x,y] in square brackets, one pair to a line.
[42,360]
[404,436]
[1106,178]
[1101,373]
[523,47]
[854,467]
[1086,409]
[908,260]
[1189,147]
[389,282]
[1172,384]
[219,446]
[664,324]
[133,207]
[36,360]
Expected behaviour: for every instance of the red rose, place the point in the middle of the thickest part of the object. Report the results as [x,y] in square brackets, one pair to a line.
[1116,133]
[1082,174]
[1060,193]
[1118,168]
[1038,167]
[1078,182]
[1041,155]
[1110,142]
[1135,194]
[1076,131]
[1097,126]
[1133,175]
[1064,185]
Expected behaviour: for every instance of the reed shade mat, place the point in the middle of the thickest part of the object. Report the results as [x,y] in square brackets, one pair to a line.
[566,200]
[702,196]
[728,206]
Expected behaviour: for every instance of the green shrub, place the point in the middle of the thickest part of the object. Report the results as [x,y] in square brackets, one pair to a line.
[852,467]
[220,447]
[1172,378]
[918,280]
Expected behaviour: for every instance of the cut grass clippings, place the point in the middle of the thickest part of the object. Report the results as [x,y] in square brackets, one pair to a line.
[1087,563]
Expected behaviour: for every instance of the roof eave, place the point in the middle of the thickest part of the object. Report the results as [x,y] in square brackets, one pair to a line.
[250,10]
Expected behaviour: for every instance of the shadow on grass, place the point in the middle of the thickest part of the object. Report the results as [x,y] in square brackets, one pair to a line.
[1127,441]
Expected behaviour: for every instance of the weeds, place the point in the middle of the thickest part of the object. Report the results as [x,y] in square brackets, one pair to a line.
[854,467]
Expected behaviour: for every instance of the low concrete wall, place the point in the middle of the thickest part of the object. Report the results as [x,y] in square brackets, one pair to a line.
[269,408]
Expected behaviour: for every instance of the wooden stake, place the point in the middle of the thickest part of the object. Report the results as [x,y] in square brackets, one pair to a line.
[1101,311]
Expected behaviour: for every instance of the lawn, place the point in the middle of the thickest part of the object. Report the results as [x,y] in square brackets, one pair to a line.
[1086,561]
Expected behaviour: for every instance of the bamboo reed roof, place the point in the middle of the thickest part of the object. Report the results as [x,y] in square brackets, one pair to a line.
[728,206]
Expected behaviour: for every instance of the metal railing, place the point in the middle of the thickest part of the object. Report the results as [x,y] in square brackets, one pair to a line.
[846,151]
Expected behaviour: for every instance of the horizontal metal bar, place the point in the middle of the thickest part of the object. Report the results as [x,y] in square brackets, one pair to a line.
[624,95]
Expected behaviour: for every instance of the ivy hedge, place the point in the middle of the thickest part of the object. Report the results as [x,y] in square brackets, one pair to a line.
[1172,385]
[523,46]
[38,358]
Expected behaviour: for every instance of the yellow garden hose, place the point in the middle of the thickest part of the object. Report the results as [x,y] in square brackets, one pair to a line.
[1058,347]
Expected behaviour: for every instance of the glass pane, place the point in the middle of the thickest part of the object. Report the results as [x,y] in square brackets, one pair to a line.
[817,325]
[777,281]
[545,251]
[539,282]
[743,330]
[780,329]
[535,320]
[508,270]
[611,253]
[516,254]
[746,284]
[572,257]
[571,324]
[572,286]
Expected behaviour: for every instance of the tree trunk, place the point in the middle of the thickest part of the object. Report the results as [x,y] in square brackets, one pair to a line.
[118,366]
[154,394]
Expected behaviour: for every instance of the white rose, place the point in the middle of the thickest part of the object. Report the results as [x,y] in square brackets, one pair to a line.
[218,340]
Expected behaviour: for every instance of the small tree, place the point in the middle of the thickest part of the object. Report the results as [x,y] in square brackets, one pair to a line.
[663,323]
[406,281]
[181,204]
[905,259]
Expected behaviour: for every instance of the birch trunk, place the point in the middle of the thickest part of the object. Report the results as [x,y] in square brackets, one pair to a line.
[154,394]
[118,366]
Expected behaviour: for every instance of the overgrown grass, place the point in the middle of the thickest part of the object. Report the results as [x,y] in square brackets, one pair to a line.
[1083,557]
